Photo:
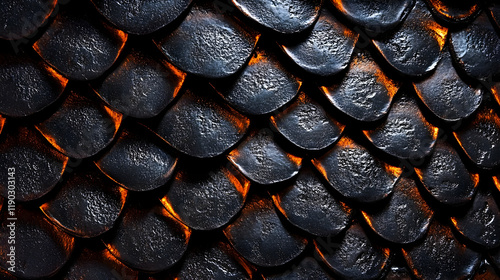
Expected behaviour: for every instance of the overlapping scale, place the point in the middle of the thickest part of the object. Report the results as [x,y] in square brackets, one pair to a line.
[263,86]
[354,256]
[446,94]
[308,204]
[216,260]
[87,204]
[476,49]
[206,197]
[142,85]
[209,43]
[445,176]
[357,214]
[147,237]
[454,11]
[405,133]
[260,159]
[79,44]
[494,12]
[441,256]
[479,137]
[414,48]
[34,12]
[284,16]
[39,166]
[260,236]
[81,127]
[326,50]
[28,85]
[481,222]
[97,264]
[201,125]
[141,17]
[307,268]
[403,219]
[138,160]
[365,92]
[40,249]
[307,124]
[376,17]
[355,173]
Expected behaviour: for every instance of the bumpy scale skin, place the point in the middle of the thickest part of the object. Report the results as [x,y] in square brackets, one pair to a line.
[238,139]
[141,17]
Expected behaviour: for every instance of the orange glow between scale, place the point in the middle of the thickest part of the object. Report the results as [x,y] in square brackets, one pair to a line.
[438,32]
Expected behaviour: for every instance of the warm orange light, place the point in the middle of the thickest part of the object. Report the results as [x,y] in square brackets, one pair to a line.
[115,116]
[346,142]
[496,180]
[51,140]
[320,168]
[167,213]
[179,74]
[438,32]
[168,206]
[391,86]
[241,184]
[2,122]
[395,171]
[62,80]
[277,203]
[296,160]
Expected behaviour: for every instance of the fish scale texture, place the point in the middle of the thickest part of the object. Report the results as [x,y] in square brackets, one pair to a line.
[236,139]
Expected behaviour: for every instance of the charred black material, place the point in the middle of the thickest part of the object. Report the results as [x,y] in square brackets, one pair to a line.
[141,86]
[80,45]
[355,173]
[445,176]
[141,17]
[441,256]
[327,49]
[53,246]
[476,49]
[28,85]
[285,16]
[414,48]
[307,125]
[481,223]
[28,154]
[138,163]
[201,126]
[93,264]
[260,237]
[262,87]
[208,43]
[355,256]
[404,218]
[446,94]
[309,205]
[87,204]
[480,137]
[375,16]
[80,128]
[148,238]
[259,158]
[364,93]
[405,133]
[206,198]
[34,12]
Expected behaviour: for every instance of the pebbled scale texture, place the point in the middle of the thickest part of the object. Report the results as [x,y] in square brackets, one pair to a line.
[241,139]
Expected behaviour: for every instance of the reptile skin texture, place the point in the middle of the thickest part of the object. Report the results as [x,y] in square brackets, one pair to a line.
[249,139]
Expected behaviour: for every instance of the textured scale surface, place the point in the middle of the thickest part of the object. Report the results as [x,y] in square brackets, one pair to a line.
[238,139]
